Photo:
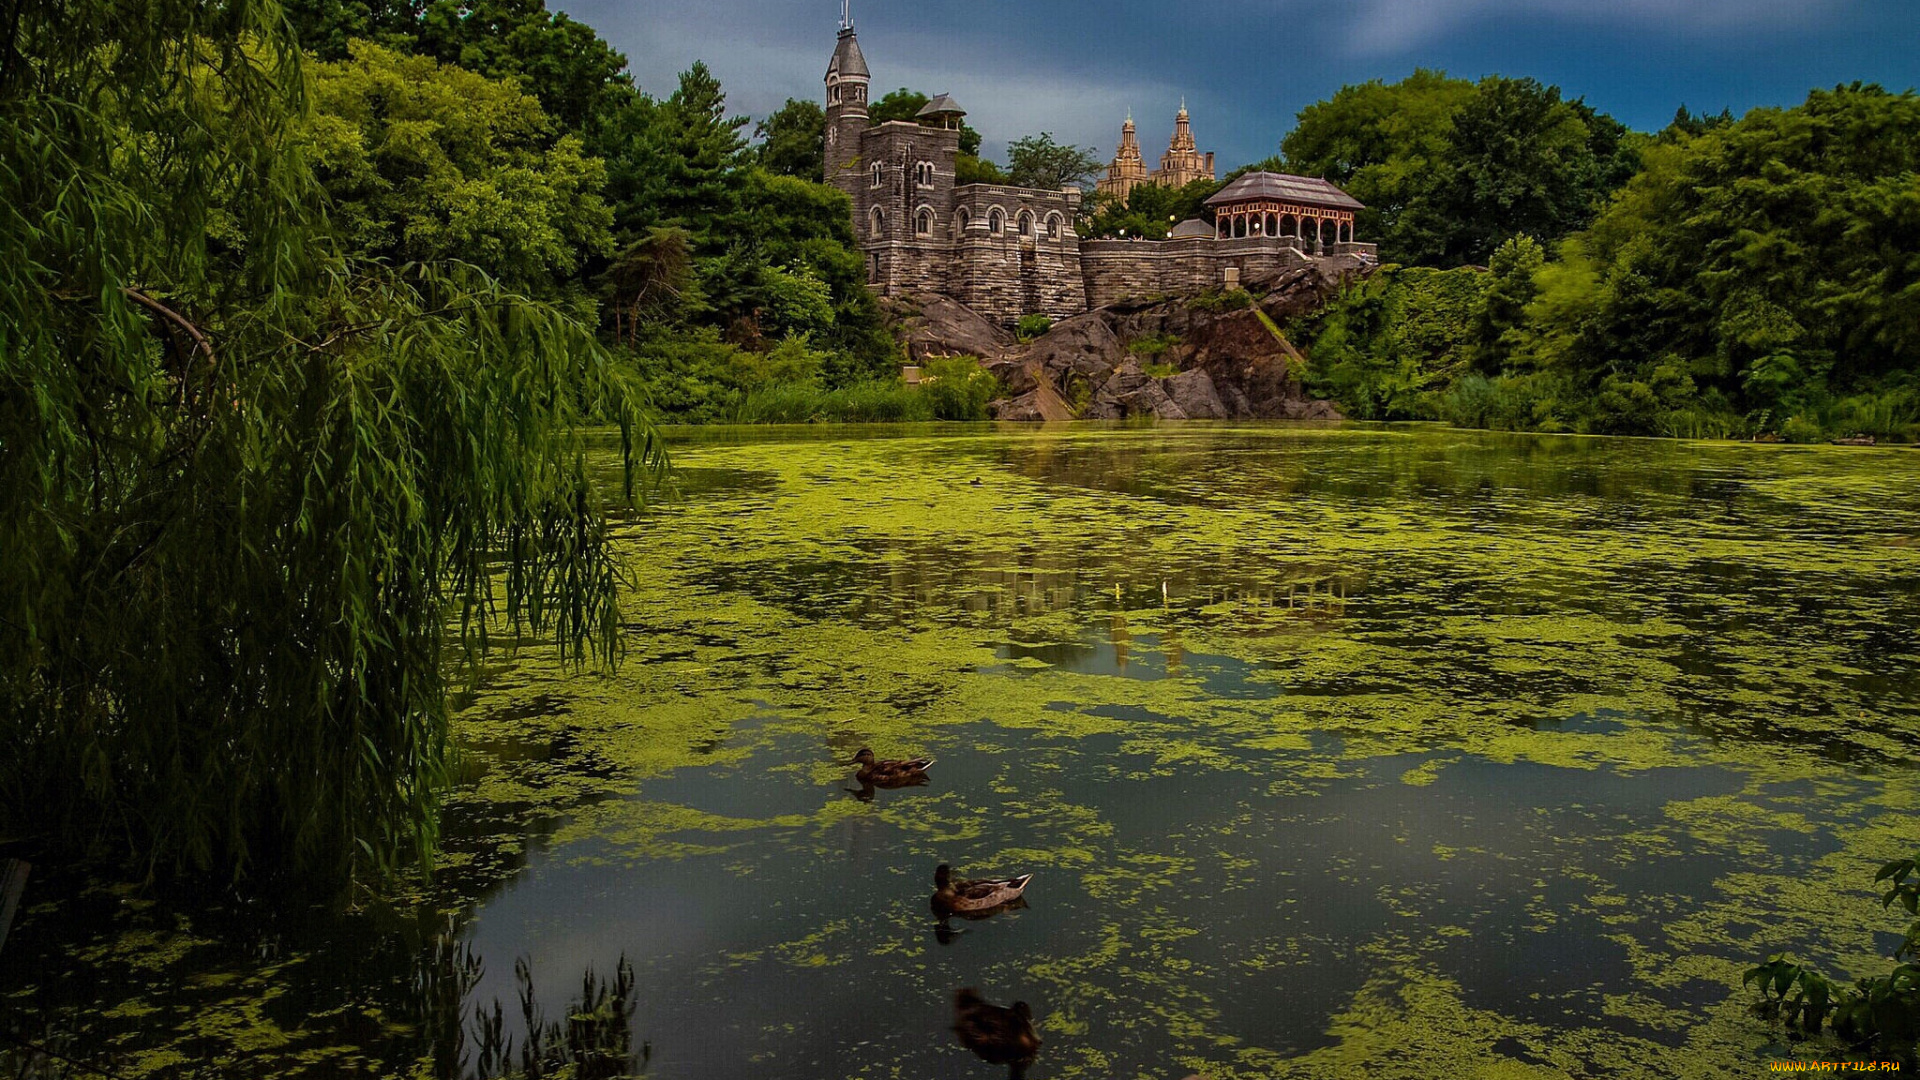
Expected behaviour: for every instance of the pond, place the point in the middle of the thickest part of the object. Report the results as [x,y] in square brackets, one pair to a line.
[1334,750]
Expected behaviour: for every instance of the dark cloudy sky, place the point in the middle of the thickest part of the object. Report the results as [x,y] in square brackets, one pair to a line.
[1247,66]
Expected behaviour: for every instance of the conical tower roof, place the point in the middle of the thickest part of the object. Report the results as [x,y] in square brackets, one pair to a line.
[847,61]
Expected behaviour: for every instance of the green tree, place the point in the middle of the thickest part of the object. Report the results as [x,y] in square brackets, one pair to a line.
[901,104]
[793,141]
[1501,317]
[325,28]
[1449,170]
[250,481]
[968,169]
[426,162]
[688,166]
[1037,161]
[1520,160]
[1383,143]
[578,77]
[1773,260]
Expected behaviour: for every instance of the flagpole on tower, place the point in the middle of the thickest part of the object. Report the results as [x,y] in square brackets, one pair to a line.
[846,14]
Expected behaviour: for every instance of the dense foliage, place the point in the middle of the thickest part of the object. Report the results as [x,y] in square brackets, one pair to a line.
[1150,211]
[1759,277]
[514,135]
[423,161]
[1450,169]
[253,472]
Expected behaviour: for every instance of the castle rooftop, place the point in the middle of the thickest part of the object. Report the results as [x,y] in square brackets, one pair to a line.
[847,61]
[943,105]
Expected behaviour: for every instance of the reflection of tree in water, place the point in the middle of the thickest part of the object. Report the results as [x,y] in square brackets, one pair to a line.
[592,1039]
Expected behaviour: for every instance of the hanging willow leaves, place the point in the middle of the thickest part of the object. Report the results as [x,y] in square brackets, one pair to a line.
[250,487]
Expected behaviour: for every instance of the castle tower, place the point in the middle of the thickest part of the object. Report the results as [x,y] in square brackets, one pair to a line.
[847,79]
[1127,170]
[1183,163]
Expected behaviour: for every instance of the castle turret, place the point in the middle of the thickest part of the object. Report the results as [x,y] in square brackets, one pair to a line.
[847,79]
[1127,170]
[1183,163]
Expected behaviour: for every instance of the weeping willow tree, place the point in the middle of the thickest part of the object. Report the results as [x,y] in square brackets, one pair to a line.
[258,499]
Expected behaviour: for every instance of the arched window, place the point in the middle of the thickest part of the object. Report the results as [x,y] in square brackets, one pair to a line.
[879,221]
[876,174]
[1053,226]
[961,220]
[923,174]
[923,223]
[995,221]
[1026,223]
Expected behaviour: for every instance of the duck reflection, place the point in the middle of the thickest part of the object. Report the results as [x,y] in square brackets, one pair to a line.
[944,931]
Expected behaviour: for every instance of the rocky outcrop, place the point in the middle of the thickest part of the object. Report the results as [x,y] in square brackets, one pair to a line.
[934,325]
[1182,358]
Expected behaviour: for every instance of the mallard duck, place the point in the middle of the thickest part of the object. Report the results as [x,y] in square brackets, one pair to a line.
[889,773]
[1002,1036]
[955,896]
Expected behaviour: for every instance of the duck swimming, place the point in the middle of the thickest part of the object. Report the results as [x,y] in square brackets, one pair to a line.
[889,773]
[1002,1036]
[954,896]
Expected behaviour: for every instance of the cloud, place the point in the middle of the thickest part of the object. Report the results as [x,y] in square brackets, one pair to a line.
[1385,27]
[764,55]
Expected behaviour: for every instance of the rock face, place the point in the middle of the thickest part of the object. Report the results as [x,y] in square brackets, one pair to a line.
[934,325]
[1182,358]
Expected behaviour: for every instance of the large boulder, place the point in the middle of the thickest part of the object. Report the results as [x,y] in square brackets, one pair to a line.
[1083,346]
[930,325]
[1193,394]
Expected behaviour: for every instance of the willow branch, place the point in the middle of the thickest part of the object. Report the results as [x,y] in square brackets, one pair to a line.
[172,316]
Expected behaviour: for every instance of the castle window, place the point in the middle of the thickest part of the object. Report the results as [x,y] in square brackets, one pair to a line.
[878,176]
[923,174]
[1053,226]
[1026,223]
[996,221]
[923,224]
[879,221]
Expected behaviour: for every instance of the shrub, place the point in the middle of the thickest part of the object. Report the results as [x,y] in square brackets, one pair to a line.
[1032,326]
[957,389]
[1152,344]
[1221,300]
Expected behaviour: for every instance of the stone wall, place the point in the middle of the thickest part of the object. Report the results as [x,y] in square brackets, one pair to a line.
[1004,273]
[1117,270]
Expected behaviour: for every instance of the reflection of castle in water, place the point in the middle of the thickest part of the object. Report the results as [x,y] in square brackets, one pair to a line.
[1270,599]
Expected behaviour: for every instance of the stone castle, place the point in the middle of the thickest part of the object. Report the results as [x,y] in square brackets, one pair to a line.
[1010,251]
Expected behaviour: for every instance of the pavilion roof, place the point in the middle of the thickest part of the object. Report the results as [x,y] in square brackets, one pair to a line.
[1189,228]
[943,105]
[1286,188]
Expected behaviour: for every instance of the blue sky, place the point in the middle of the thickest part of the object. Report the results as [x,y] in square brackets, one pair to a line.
[1247,66]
